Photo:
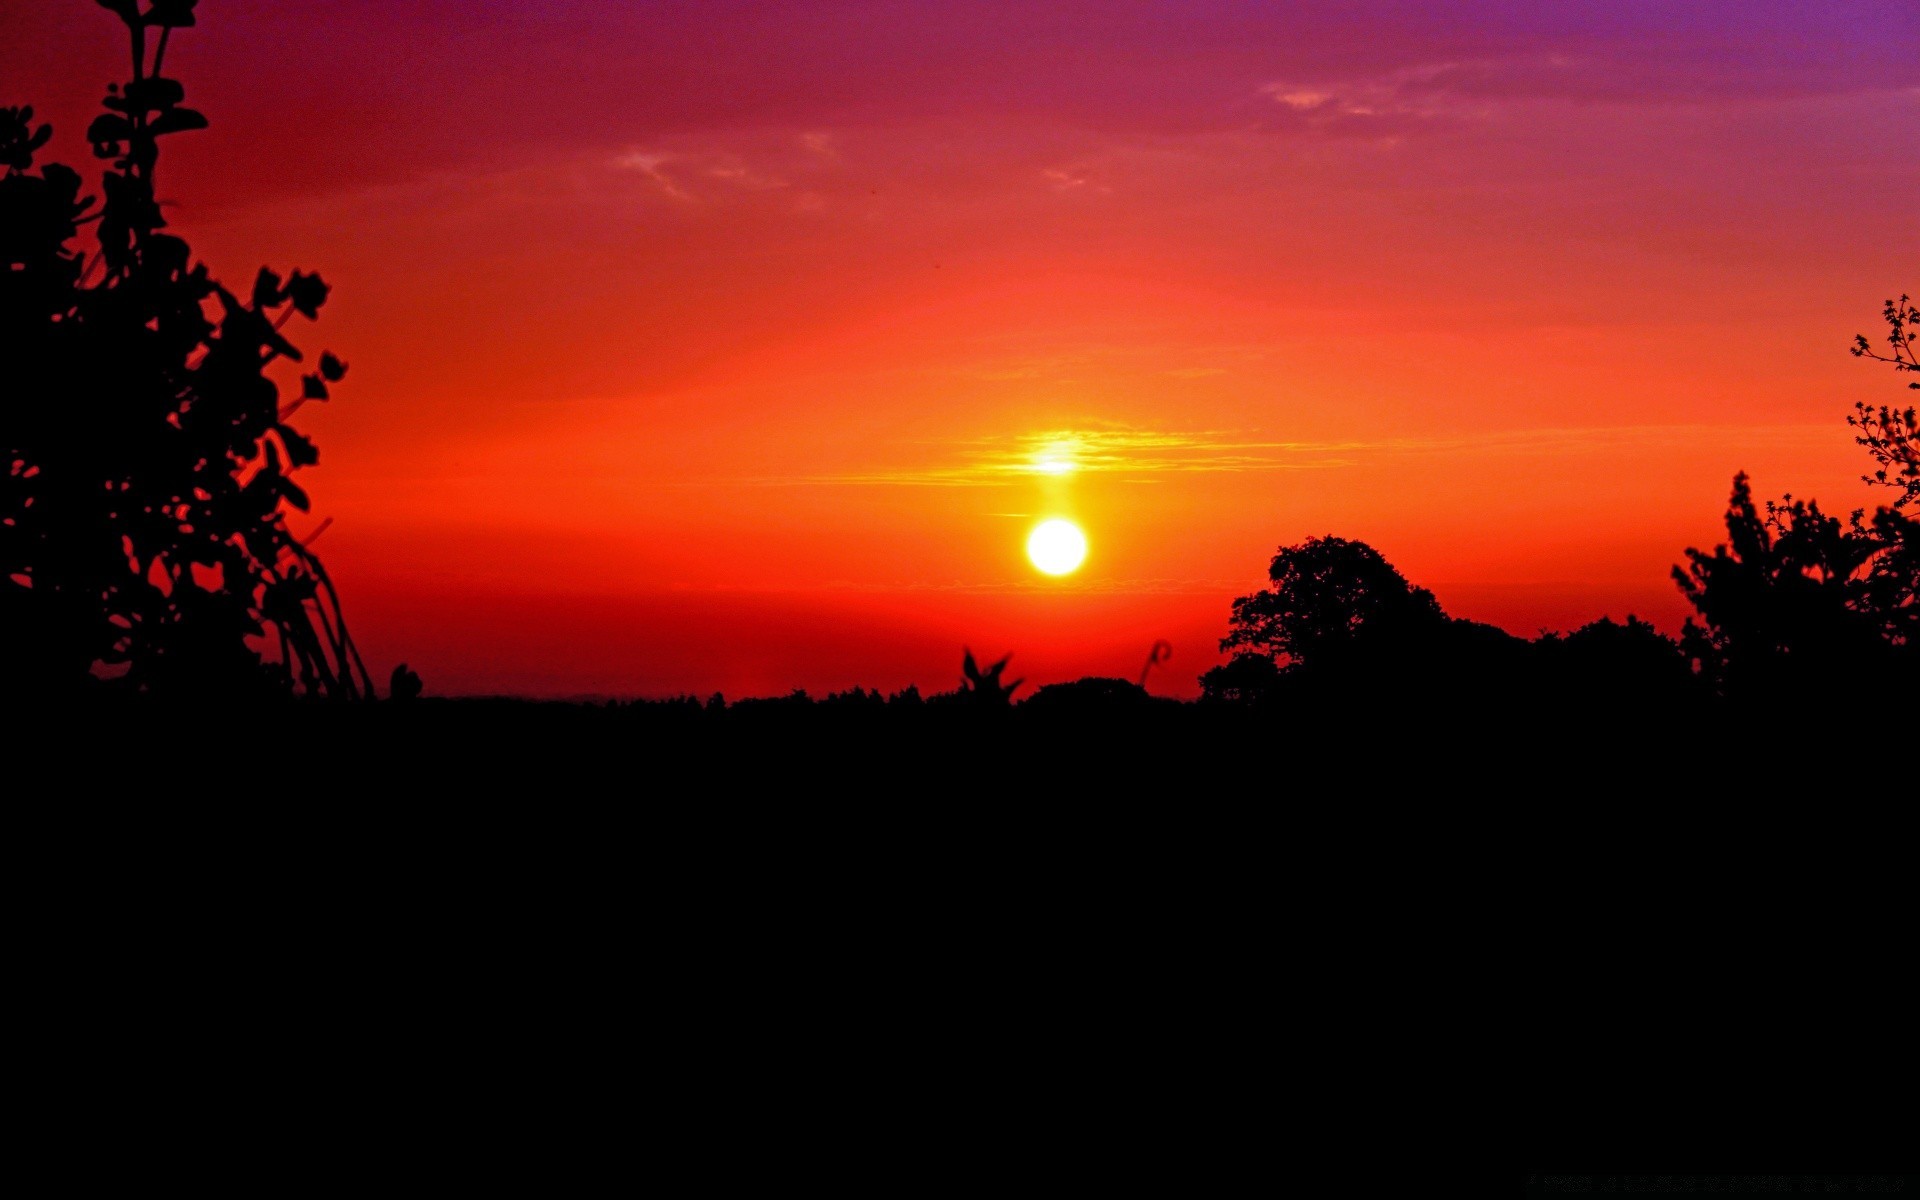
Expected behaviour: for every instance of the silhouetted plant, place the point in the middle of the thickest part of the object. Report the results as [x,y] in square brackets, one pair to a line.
[404,684]
[1245,678]
[856,698]
[147,453]
[1797,599]
[1093,695]
[1892,435]
[1328,596]
[983,688]
[1607,665]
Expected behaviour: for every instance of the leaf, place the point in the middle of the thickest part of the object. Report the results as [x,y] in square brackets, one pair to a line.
[128,10]
[150,95]
[294,494]
[108,128]
[177,120]
[267,289]
[311,388]
[166,254]
[300,450]
[174,14]
[65,180]
[332,368]
[308,293]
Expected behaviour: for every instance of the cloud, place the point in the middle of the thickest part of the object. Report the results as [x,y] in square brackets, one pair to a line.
[1083,585]
[1129,455]
[1446,91]
[1151,456]
[698,174]
[1073,179]
[650,165]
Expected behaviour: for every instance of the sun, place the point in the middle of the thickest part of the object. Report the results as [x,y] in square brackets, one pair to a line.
[1057,546]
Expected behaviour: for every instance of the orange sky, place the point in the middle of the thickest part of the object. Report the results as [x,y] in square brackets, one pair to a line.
[707,346]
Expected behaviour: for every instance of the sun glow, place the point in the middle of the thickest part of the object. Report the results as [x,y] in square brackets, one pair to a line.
[1057,547]
[1057,457]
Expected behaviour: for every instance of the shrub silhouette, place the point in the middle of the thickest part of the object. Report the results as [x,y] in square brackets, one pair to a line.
[147,452]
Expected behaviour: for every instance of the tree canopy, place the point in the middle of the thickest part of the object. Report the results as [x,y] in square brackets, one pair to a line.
[1328,596]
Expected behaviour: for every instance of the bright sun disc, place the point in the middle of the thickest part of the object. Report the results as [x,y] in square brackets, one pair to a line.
[1057,546]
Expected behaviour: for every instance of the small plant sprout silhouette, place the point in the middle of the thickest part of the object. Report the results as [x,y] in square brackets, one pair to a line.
[1891,435]
[145,454]
[404,685]
[1161,652]
[984,688]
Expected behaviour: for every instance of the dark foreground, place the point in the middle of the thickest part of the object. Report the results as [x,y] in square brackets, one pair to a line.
[956,937]
[1430,757]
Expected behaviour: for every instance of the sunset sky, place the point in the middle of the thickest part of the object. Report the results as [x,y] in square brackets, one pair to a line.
[738,346]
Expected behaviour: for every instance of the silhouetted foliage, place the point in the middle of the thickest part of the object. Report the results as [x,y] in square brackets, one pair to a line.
[404,684]
[1246,678]
[1606,663]
[1162,651]
[147,453]
[1350,628]
[1091,696]
[1329,597]
[1800,602]
[856,698]
[983,689]
[1892,435]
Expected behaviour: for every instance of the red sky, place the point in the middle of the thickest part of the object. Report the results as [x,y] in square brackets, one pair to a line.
[708,346]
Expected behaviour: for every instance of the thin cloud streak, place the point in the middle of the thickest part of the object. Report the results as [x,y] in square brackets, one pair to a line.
[1139,455]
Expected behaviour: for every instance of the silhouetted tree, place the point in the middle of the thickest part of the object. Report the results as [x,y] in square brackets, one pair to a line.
[147,453]
[1621,667]
[856,698]
[1246,678]
[1798,600]
[1329,597]
[1093,695]
[1892,435]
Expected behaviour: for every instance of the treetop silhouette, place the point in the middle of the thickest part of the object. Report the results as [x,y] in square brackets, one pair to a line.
[1327,597]
[148,453]
[1800,602]
[1892,435]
